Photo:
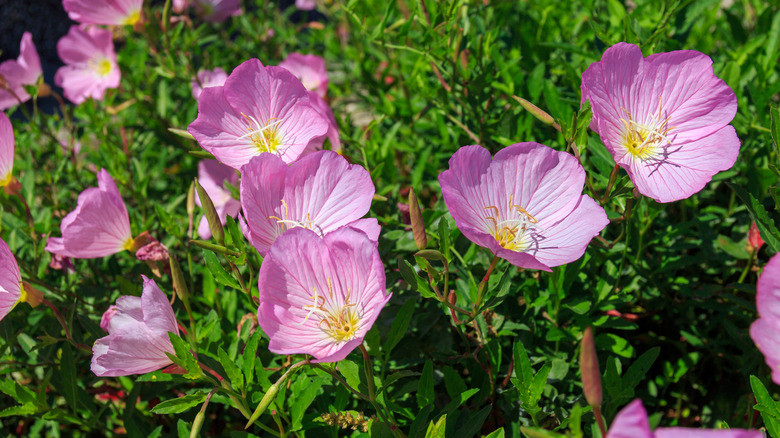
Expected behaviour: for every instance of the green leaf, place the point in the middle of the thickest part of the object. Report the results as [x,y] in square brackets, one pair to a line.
[425,386]
[458,400]
[179,405]
[474,424]
[498,433]
[184,357]
[219,273]
[768,407]
[303,400]
[766,225]
[351,372]
[392,378]
[444,238]
[437,429]
[774,126]
[638,370]
[400,325]
[68,374]
[233,373]
[250,355]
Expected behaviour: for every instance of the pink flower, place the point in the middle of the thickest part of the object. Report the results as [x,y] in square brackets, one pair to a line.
[137,334]
[217,11]
[305,5]
[310,69]
[525,205]
[90,63]
[631,422]
[332,134]
[6,150]
[765,331]
[207,78]
[15,74]
[321,192]
[212,176]
[664,118]
[11,291]
[258,110]
[180,5]
[320,296]
[108,12]
[98,227]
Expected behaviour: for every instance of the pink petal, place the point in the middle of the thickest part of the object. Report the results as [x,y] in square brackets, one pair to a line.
[687,432]
[630,422]
[6,148]
[310,69]
[10,280]
[106,12]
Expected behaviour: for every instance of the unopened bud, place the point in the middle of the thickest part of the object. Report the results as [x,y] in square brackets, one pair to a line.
[589,368]
[211,214]
[536,111]
[754,241]
[453,299]
[430,254]
[179,283]
[264,403]
[418,225]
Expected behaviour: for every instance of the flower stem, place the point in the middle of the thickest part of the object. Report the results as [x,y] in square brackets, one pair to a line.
[483,285]
[198,422]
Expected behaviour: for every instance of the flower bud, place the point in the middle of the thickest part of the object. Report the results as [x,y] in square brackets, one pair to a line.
[589,368]
[754,242]
[215,225]
[264,403]
[418,225]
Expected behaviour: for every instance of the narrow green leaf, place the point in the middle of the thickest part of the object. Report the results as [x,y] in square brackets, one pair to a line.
[425,386]
[68,374]
[437,429]
[766,225]
[233,373]
[179,405]
[184,357]
[767,406]
[774,126]
[400,325]
[217,232]
[219,273]
[250,355]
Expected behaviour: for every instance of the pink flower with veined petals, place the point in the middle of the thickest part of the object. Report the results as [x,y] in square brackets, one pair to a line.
[207,78]
[137,334]
[11,291]
[310,69]
[525,205]
[321,192]
[259,110]
[217,11]
[320,296]
[6,150]
[765,331]
[305,5]
[212,176]
[323,108]
[664,118]
[90,63]
[98,227]
[632,422]
[107,12]
[16,73]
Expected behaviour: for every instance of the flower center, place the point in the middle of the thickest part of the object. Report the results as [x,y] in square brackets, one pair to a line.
[132,18]
[646,140]
[265,137]
[286,222]
[102,66]
[340,323]
[514,232]
[5,180]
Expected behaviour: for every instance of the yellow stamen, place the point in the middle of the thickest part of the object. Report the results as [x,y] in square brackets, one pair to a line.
[339,324]
[6,180]
[22,294]
[133,18]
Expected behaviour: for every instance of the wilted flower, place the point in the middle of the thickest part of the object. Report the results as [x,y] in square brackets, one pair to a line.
[11,290]
[664,118]
[525,205]
[98,227]
[207,78]
[212,176]
[258,110]
[90,63]
[321,192]
[107,12]
[310,69]
[217,11]
[765,331]
[6,150]
[632,422]
[320,296]
[137,334]
[15,74]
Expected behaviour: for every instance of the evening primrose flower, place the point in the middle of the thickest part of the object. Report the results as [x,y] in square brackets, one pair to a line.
[6,150]
[332,134]
[137,334]
[310,69]
[320,296]
[664,118]
[16,73]
[212,176]
[98,227]
[632,422]
[107,12]
[321,192]
[525,205]
[90,63]
[765,331]
[207,78]
[11,290]
[217,11]
[259,110]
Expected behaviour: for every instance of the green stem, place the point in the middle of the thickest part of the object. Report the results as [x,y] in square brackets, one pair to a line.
[483,285]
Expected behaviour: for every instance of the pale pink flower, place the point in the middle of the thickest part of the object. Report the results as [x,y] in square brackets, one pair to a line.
[332,135]
[259,110]
[11,290]
[207,78]
[6,150]
[320,296]
[305,5]
[765,331]
[632,422]
[98,227]
[90,63]
[664,118]
[16,73]
[212,176]
[321,192]
[137,334]
[180,6]
[310,69]
[525,205]
[107,12]
[217,11]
